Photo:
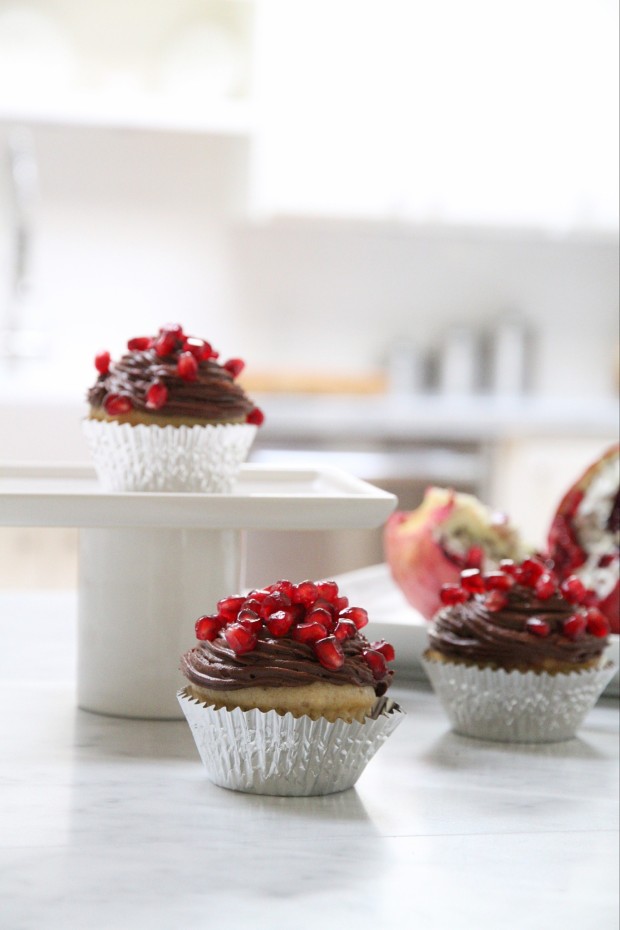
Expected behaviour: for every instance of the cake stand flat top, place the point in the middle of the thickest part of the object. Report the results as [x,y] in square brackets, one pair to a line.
[265,497]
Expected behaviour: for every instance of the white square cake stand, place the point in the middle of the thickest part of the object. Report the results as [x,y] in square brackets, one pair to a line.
[151,563]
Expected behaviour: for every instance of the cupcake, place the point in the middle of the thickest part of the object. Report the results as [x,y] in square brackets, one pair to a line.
[285,695]
[517,655]
[168,416]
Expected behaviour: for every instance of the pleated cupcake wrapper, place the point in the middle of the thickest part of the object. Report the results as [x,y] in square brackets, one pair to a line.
[266,753]
[199,459]
[516,707]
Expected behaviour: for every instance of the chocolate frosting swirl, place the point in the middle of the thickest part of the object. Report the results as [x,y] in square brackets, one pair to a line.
[214,396]
[470,631]
[276,662]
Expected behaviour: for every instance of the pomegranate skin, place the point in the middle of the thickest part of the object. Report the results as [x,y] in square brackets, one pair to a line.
[422,546]
[567,548]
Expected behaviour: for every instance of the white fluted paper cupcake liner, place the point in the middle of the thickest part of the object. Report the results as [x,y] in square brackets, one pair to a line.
[516,707]
[199,459]
[265,753]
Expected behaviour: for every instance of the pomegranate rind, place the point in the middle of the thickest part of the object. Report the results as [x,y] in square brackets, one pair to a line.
[565,548]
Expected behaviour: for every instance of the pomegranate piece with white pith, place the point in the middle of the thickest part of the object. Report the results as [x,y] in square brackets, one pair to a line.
[584,536]
[449,532]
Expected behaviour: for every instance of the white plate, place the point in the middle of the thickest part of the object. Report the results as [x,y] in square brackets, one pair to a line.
[392,618]
[265,497]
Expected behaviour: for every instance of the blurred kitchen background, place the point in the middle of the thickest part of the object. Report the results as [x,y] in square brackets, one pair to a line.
[403,215]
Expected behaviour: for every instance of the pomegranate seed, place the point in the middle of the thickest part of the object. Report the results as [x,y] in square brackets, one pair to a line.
[329,652]
[274,601]
[322,616]
[156,396]
[358,615]
[606,560]
[115,404]
[495,600]
[386,650]
[308,632]
[284,587]
[258,594]
[280,622]
[250,621]
[255,416]
[376,662]
[574,626]
[596,622]
[328,590]
[538,627]
[498,581]
[451,594]
[139,344]
[590,598]
[209,352]
[208,627]
[546,586]
[165,344]
[235,366]
[573,589]
[102,362]
[341,603]
[305,593]
[322,604]
[187,367]
[251,604]
[507,566]
[239,638]
[529,572]
[474,557]
[472,580]
[345,629]
[172,329]
[229,607]
[196,347]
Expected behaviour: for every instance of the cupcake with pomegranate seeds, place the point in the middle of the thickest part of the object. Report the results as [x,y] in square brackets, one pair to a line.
[285,694]
[516,654]
[168,416]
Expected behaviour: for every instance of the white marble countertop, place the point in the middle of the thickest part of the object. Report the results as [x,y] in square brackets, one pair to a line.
[110,824]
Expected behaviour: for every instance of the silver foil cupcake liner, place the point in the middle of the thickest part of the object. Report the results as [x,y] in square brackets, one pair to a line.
[516,707]
[265,753]
[199,459]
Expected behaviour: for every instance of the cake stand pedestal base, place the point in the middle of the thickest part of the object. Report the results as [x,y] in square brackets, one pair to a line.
[140,592]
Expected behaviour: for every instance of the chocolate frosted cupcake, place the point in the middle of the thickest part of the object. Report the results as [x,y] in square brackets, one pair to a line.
[515,655]
[285,695]
[168,416]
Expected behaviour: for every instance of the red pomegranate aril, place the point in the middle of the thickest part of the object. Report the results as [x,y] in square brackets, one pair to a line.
[305,593]
[235,366]
[156,396]
[102,362]
[172,329]
[606,560]
[284,587]
[329,652]
[328,590]
[187,367]
[508,566]
[239,638]
[574,626]
[474,557]
[139,343]
[274,601]
[452,594]
[229,607]
[495,600]
[358,615]
[280,622]
[529,572]
[376,662]
[386,650]
[208,627]
[538,627]
[165,345]
[597,623]
[256,417]
[322,616]
[115,404]
[308,632]
[573,589]
[472,580]
[546,586]
[498,581]
[341,603]
[195,346]
[344,629]
[209,352]
[252,623]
